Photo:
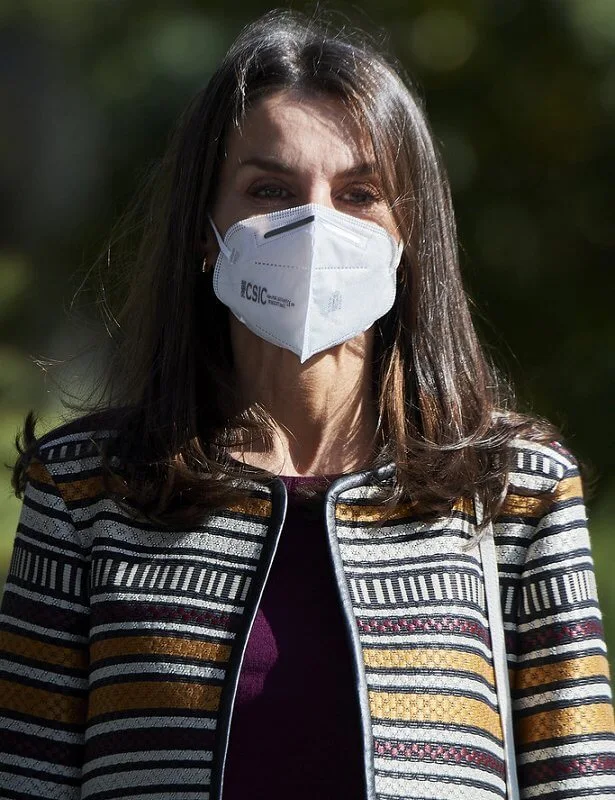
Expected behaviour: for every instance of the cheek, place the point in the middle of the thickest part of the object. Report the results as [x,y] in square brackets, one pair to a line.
[387,220]
[395,224]
[225,212]
[225,207]
[222,211]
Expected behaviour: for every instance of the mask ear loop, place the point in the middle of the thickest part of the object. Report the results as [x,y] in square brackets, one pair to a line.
[226,252]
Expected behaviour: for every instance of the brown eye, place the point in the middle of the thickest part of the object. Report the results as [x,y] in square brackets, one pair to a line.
[272,191]
[269,191]
[361,195]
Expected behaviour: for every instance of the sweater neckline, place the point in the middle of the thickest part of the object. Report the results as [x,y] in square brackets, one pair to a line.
[295,482]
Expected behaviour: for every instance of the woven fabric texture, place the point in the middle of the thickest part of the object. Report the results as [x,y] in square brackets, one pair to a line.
[116,638]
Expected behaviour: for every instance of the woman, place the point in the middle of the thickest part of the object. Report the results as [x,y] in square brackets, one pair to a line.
[296,310]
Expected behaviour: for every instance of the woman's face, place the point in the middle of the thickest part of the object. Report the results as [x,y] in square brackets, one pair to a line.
[295,149]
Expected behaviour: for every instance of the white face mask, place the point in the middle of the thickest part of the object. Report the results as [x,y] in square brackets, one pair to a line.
[306,278]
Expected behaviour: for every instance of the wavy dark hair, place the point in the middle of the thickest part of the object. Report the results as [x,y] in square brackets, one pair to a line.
[446,420]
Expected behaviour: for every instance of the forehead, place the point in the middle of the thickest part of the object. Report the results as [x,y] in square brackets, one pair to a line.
[302,130]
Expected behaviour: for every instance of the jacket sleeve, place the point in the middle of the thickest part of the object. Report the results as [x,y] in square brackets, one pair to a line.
[43,650]
[564,729]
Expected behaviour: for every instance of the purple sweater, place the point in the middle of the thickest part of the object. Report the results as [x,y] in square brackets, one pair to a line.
[296,673]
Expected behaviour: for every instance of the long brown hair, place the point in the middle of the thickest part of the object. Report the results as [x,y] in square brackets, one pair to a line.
[446,421]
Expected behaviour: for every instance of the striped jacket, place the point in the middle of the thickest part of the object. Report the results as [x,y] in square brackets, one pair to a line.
[121,643]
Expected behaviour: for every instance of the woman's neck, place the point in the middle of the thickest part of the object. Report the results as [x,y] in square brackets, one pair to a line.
[323,411]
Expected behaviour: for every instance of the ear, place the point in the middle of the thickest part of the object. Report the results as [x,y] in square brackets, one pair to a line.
[209,250]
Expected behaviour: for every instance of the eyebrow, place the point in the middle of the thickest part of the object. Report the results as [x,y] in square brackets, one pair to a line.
[268,163]
[272,164]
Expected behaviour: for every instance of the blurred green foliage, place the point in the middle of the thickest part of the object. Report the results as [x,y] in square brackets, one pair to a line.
[521,94]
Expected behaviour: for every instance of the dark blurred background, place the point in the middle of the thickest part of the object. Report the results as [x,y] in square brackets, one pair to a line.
[521,94]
